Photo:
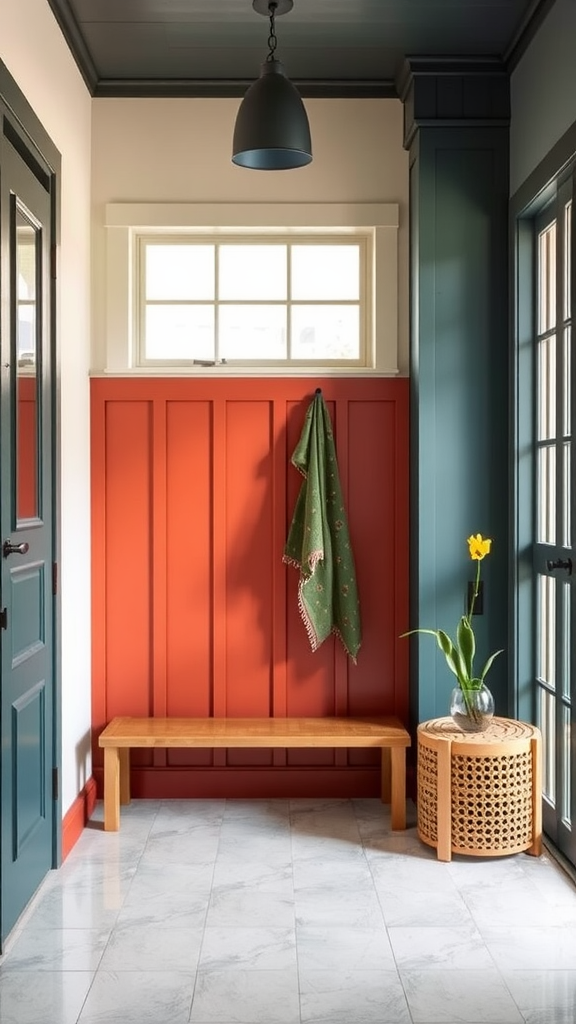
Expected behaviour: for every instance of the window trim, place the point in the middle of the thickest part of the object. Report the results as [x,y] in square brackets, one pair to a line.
[125,223]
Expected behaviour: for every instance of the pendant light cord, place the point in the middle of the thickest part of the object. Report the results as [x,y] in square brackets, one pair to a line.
[272,41]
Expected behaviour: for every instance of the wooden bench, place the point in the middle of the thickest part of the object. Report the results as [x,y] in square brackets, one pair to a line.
[122,734]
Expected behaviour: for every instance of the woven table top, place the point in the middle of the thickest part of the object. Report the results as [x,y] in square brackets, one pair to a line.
[500,730]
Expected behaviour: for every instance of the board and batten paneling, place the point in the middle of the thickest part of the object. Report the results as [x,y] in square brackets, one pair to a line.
[195,613]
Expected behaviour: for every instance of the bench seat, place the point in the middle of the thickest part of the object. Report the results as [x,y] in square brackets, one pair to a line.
[122,734]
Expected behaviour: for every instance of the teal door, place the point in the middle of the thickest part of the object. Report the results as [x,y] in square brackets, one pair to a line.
[26,539]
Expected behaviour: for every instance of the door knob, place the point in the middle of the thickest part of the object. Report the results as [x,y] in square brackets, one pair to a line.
[8,548]
[560,563]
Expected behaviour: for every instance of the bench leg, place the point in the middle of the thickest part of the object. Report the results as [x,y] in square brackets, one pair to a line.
[111,789]
[386,791]
[398,787]
[124,755]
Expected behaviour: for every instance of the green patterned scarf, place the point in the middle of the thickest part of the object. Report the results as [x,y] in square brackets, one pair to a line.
[318,542]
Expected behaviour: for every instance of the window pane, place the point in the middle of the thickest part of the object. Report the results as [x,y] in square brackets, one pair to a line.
[325,272]
[547,725]
[547,280]
[252,332]
[546,654]
[179,332]
[325,332]
[179,271]
[252,272]
[566,517]
[547,388]
[546,489]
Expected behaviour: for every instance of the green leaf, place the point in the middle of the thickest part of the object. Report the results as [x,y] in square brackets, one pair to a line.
[411,631]
[466,643]
[454,659]
[444,642]
[452,654]
[488,664]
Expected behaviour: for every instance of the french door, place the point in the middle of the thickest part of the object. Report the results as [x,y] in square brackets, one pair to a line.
[555,518]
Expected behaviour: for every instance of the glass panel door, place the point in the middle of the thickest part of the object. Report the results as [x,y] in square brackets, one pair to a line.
[553,564]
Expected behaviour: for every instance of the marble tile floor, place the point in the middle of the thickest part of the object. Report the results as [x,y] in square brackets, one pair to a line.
[288,912]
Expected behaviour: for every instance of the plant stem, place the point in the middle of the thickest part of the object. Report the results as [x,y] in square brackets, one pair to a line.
[474,593]
[472,712]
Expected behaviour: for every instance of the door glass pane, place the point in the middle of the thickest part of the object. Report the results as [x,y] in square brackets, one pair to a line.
[567,259]
[567,411]
[566,504]
[566,786]
[547,722]
[546,492]
[27,305]
[547,279]
[546,653]
[547,388]
[566,640]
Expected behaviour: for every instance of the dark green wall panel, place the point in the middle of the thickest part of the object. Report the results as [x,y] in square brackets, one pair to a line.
[459,399]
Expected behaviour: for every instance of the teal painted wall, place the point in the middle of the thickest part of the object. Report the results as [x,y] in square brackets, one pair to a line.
[459,401]
[543,93]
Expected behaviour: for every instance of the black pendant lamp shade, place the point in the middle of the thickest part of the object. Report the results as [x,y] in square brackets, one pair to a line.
[272,131]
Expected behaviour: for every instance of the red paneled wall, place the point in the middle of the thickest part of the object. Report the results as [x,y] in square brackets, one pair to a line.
[194,611]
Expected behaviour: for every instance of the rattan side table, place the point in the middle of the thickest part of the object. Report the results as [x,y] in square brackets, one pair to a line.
[480,793]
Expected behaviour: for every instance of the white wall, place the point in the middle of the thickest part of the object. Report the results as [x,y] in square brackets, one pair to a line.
[178,150]
[33,49]
[543,92]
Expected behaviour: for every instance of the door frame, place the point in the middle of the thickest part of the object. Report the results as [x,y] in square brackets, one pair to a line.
[37,149]
[528,202]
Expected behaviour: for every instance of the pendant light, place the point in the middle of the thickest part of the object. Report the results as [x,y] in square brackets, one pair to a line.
[272,131]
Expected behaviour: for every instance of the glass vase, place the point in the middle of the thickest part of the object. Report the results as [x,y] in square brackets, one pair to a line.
[472,710]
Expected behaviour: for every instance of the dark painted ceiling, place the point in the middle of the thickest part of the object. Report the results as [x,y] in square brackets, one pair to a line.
[328,47]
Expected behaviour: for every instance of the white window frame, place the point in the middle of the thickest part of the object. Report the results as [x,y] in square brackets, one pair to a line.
[126,223]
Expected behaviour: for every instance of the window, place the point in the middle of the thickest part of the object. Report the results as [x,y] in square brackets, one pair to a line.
[244,300]
[223,289]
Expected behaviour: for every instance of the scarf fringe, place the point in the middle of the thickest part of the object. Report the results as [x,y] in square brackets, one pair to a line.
[313,559]
[312,635]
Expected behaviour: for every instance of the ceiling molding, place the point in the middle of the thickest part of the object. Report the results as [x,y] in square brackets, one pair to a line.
[446,67]
[75,40]
[322,88]
[527,31]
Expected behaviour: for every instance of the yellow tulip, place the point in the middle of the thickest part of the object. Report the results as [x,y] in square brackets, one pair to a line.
[479,547]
